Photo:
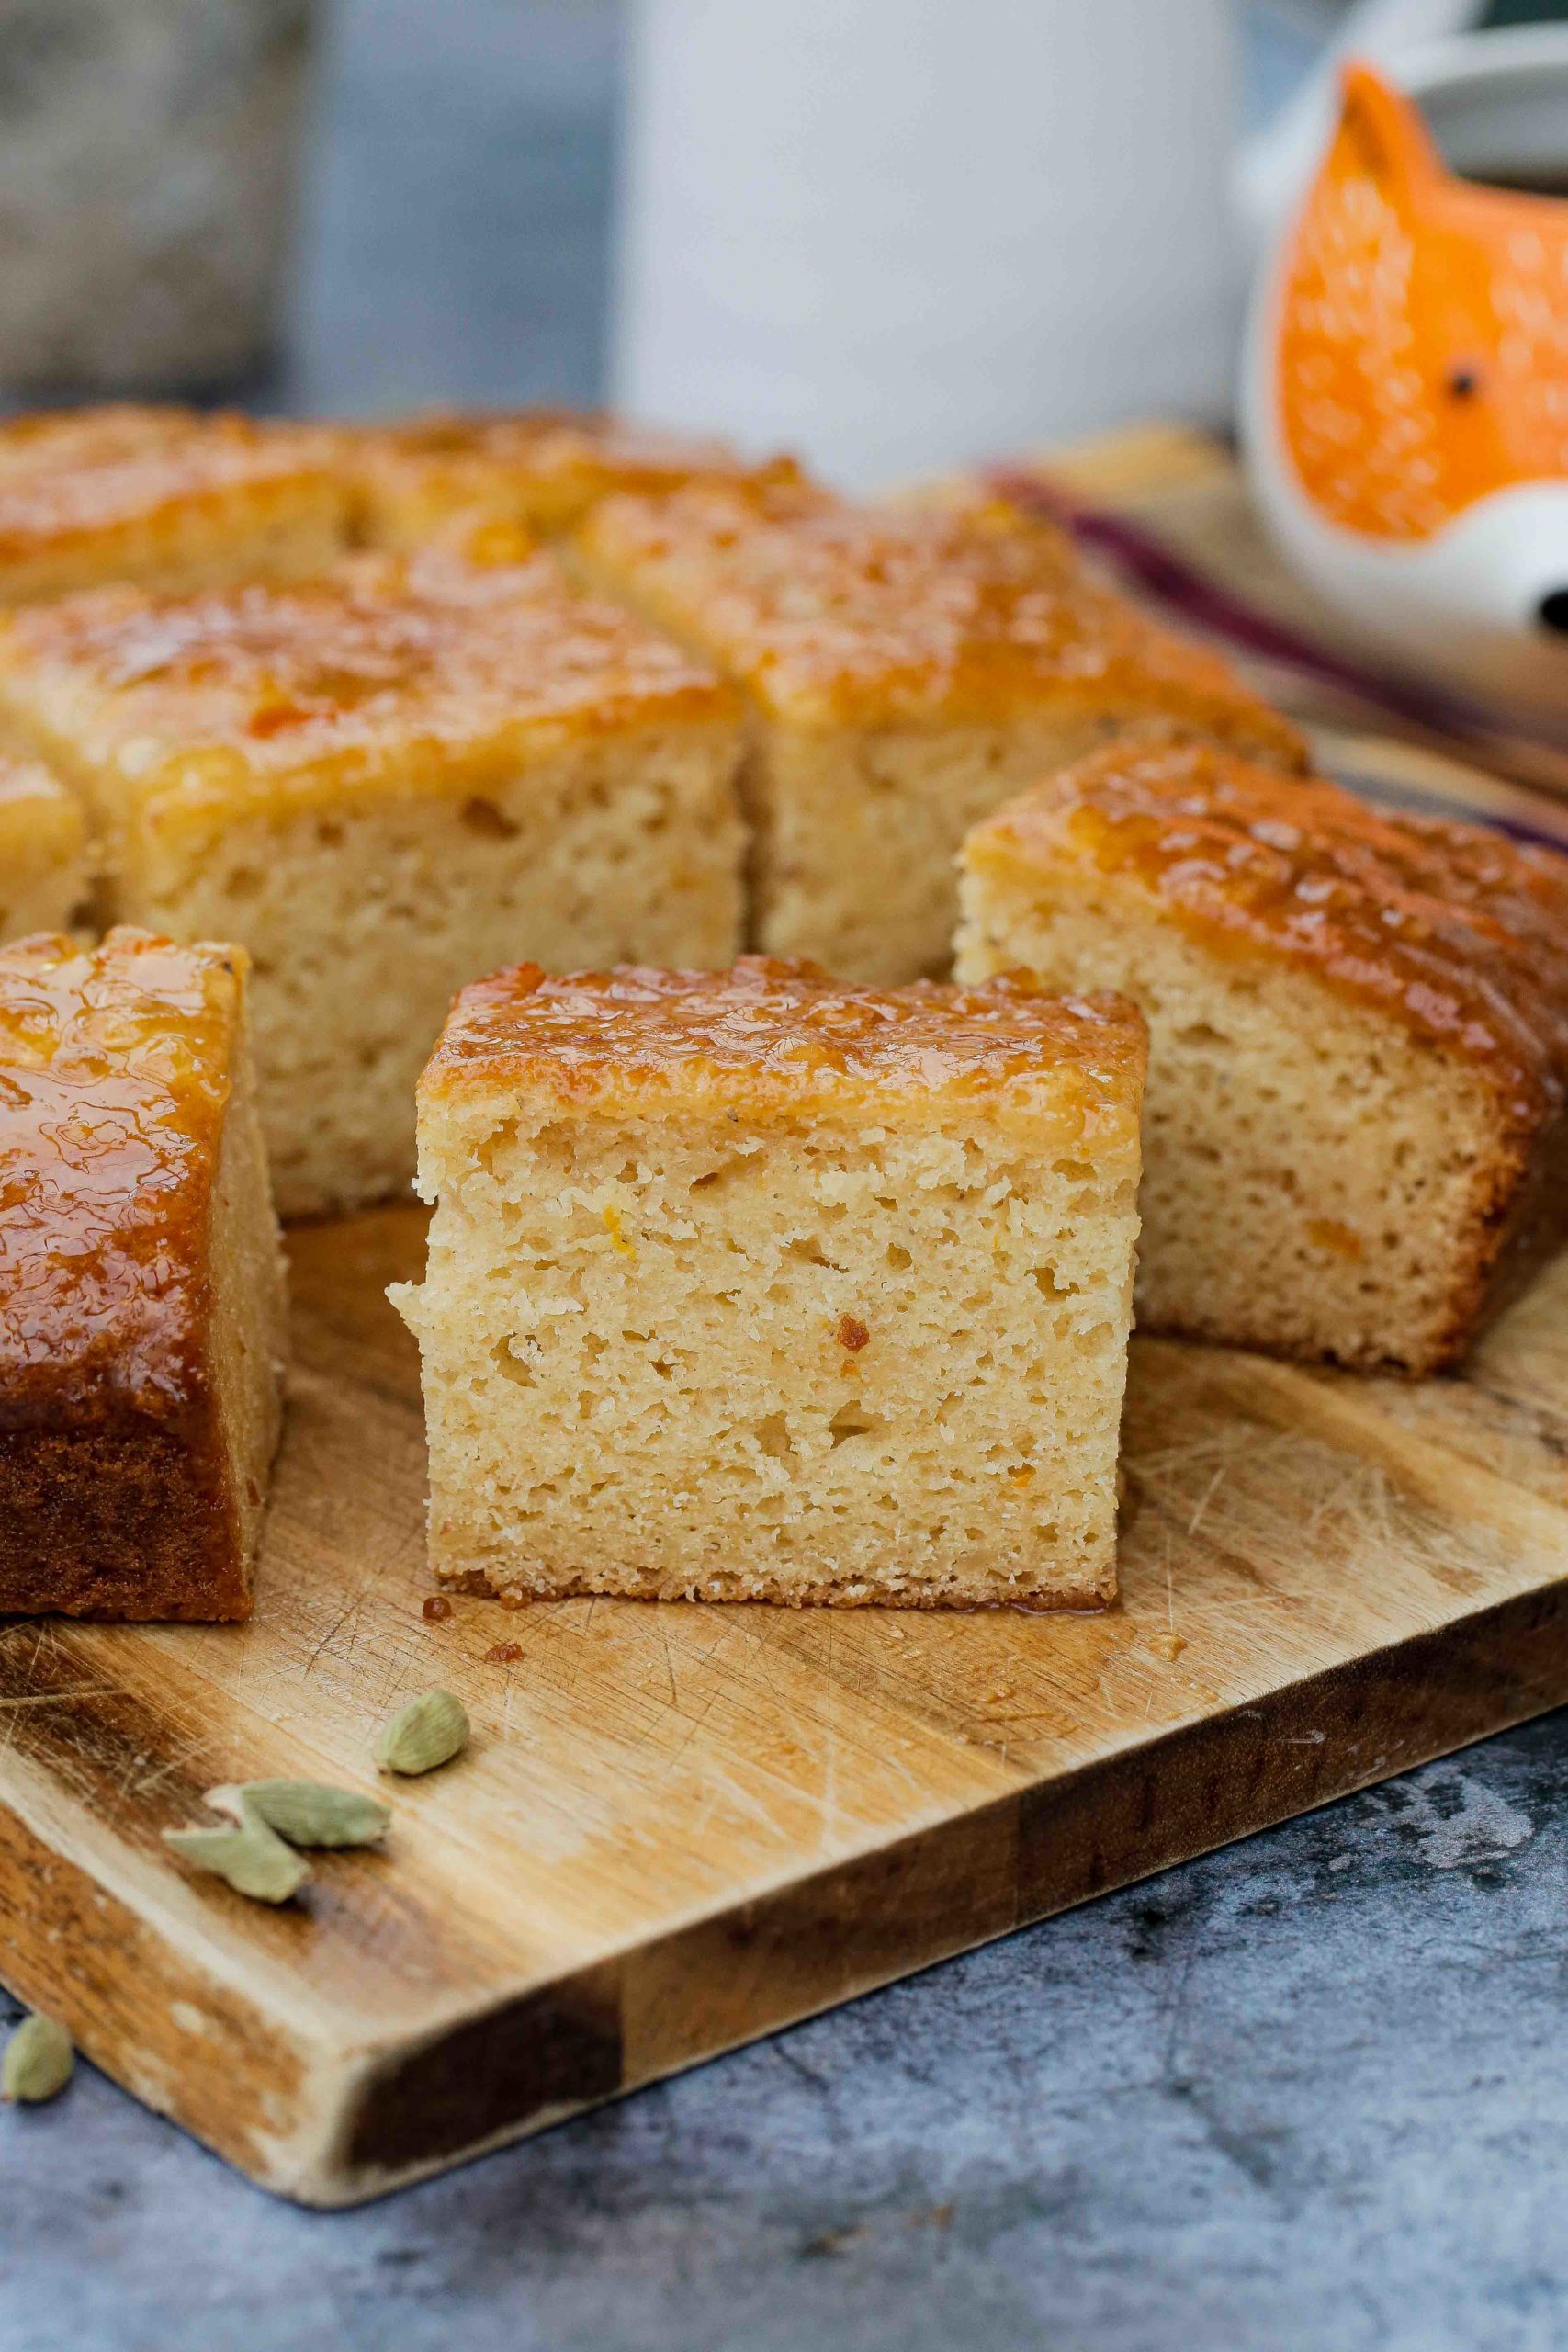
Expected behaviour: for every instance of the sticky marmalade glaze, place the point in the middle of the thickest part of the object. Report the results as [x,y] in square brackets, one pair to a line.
[114,1084]
[239,695]
[543,466]
[66,476]
[833,612]
[1458,932]
[771,1037]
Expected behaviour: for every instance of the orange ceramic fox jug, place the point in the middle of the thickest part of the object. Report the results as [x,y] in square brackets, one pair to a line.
[1406,407]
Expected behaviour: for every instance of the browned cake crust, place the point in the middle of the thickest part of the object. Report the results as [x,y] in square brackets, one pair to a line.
[416,671]
[1452,932]
[540,468]
[836,614]
[775,1039]
[117,1069]
[382,780]
[155,494]
[1457,931]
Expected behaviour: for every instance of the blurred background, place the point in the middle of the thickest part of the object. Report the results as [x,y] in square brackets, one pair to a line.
[360,206]
[457,233]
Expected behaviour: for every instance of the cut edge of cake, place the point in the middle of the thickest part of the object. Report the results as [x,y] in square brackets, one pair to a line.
[808,1336]
[1322,1179]
[889,714]
[567,786]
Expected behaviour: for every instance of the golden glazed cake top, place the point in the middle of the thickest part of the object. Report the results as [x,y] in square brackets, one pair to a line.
[542,468]
[1456,931]
[424,673]
[773,1040]
[115,1075]
[833,614]
[84,479]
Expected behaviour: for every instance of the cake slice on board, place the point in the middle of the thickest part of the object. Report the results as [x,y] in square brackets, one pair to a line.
[383,781]
[143,1317]
[907,670]
[1354,1132]
[746,1285]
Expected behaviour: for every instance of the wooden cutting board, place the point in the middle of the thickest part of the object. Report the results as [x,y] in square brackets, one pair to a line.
[679,1826]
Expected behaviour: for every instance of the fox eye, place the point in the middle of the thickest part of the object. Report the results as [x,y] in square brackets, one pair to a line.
[1463,383]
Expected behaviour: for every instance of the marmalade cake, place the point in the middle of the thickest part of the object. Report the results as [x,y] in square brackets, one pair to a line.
[383,781]
[44,873]
[1353,1129]
[172,497]
[142,1295]
[907,671]
[540,469]
[749,1286]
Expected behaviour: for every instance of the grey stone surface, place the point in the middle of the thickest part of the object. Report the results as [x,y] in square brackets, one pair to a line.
[1307,2096]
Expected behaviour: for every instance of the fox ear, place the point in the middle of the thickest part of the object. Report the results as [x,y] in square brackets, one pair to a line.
[1386,131]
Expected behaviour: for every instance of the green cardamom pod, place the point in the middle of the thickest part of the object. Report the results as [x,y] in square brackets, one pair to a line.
[429,1731]
[249,1857]
[37,2062]
[307,1813]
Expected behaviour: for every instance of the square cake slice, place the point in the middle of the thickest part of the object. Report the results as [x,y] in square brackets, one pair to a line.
[746,1286]
[382,782]
[1353,1132]
[44,870]
[538,469]
[173,497]
[142,1294]
[907,671]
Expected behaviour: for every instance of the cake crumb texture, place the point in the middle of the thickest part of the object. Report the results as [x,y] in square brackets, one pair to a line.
[1358,1022]
[742,1287]
[383,781]
[907,670]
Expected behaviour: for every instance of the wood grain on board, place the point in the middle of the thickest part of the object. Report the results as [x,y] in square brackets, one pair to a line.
[679,1826]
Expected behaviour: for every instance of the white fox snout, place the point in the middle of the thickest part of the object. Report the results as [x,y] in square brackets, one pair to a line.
[1482,602]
